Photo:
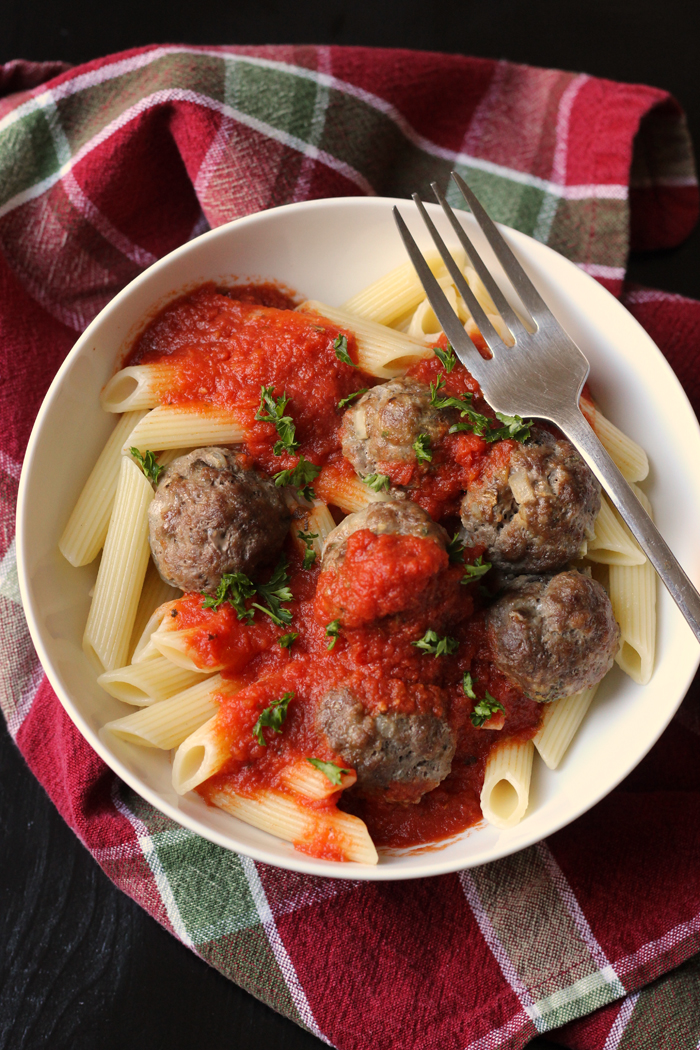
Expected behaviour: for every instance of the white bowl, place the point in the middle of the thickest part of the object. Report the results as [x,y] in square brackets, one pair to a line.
[328,250]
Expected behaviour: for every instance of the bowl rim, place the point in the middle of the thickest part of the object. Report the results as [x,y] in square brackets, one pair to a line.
[299,862]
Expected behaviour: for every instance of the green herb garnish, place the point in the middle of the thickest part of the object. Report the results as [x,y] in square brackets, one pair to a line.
[287,640]
[475,422]
[300,476]
[345,401]
[329,769]
[271,410]
[432,643]
[468,686]
[340,345]
[148,464]
[476,571]
[235,588]
[274,592]
[307,539]
[421,447]
[485,709]
[447,357]
[377,482]
[455,549]
[273,717]
[332,632]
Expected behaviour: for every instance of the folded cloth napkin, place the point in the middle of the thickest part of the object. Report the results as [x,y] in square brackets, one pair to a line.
[104,169]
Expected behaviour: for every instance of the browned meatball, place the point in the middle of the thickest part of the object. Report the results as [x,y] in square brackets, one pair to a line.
[407,519]
[553,635]
[397,754]
[212,514]
[535,511]
[382,427]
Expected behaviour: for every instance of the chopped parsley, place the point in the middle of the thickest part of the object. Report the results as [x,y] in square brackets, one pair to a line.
[447,357]
[288,640]
[307,539]
[468,686]
[235,587]
[377,482]
[340,345]
[345,401]
[271,411]
[476,571]
[329,769]
[300,477]
[485,709]
[474,422]
[455,550]
[432,643]
[274,592]
[148,464]
[273,717]
[421,447]
[332,632]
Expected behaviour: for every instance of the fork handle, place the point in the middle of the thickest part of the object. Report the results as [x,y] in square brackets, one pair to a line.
[686,597]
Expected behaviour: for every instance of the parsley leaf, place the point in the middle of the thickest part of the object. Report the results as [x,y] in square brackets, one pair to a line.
[235,587]
[485,709]
[468,686]
[288,640]
[447,357]
[421,447]
[476,571]
[148,464]
[455,550]
[329,769]
[273,717]
[514,427]
[432,643]
[300,476]
[340,346]
[274,592]
[345,401]
[309,554]
[271,411]
[332,632]
[377,482]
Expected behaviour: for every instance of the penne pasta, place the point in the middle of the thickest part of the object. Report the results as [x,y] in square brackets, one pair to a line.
[200,756]
[195,426]
[176,646]
[506,790]
[632,590]
[347,493]
[628,456]
[155,592]
[612,542]
[283,816]
[306,780]
[122,570]
[86,530]
[399,292]
[144,649]
[560,723]
[138,387]
[166,724]
[381,351]
[148,682]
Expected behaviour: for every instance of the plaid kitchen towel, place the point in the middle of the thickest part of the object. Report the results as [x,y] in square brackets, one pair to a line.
[105,168]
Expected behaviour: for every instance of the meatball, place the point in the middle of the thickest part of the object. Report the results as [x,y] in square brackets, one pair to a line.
[396,754]
[389,516]
[212,514]
[553,635]
[534,511]
[382,427]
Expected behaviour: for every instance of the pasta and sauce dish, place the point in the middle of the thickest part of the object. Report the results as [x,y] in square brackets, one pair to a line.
[353,601]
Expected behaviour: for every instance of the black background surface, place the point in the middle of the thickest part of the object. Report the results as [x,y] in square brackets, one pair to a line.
[81,966]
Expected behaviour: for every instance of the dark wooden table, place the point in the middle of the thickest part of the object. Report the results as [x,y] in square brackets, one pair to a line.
[81,966]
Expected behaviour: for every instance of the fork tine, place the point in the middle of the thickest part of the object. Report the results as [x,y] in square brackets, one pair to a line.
[493,340]
[517,276]
[451,324]
[501,303]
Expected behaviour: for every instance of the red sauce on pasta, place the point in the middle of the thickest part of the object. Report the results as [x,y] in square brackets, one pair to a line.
[224,347]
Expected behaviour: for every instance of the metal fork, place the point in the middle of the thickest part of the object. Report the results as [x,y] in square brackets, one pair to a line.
[541,375]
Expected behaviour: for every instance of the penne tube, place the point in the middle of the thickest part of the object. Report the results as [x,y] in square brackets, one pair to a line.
[155,593]
[306,780]
[347,493]
[194,426]
[283,816]
[612,542]
[199,757]
[397,293]
[166,724]
[632,590]
[560,723]
[148,682]
[381,351]
[145,650]
[506,790]
[176,647]
[86,530]
[138,387]
[626,454]
[122,570]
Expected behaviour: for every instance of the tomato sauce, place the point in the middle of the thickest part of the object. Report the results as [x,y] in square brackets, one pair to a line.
[389,591]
